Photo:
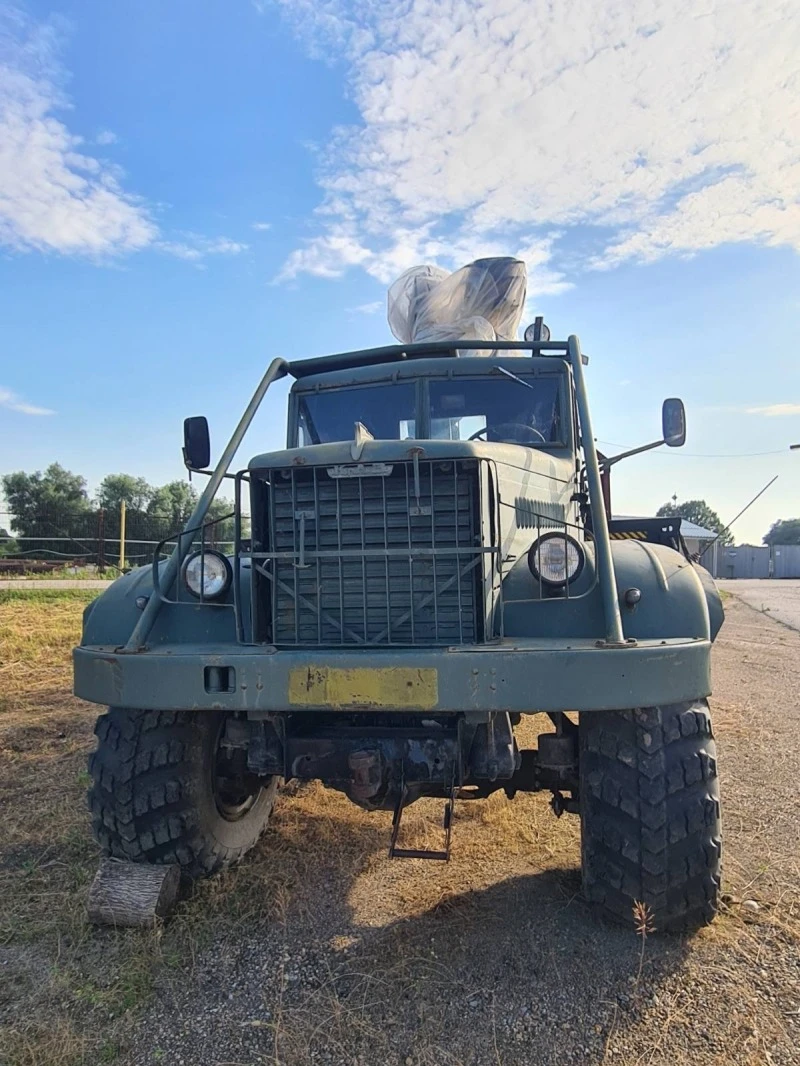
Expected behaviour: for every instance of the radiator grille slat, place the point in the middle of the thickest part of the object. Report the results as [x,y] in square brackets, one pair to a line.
[374,560]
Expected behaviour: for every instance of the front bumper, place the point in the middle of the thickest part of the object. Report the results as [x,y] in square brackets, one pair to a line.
[514,675]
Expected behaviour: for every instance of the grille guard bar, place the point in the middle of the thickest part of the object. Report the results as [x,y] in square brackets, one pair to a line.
[279,368]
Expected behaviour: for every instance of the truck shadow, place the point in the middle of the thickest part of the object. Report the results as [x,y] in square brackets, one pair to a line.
[351,969]
[518,972]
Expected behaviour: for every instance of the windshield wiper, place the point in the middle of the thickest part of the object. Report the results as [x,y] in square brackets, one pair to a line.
[508,374]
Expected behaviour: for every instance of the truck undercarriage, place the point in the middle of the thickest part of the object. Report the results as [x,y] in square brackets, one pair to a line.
[387,762]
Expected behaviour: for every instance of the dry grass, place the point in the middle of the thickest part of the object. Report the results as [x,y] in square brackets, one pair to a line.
[55,980]
[399,953]
[36,1044]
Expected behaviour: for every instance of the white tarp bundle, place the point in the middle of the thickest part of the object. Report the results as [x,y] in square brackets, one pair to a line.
[481,301]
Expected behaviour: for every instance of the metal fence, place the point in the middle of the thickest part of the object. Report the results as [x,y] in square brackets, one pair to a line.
[93,538]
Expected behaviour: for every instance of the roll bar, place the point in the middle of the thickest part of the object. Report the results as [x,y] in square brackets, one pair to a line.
[279,368]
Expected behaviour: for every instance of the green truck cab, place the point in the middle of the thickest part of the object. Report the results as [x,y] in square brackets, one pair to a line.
[428,559]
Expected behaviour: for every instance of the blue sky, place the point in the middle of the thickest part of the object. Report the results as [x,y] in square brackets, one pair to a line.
[188,189]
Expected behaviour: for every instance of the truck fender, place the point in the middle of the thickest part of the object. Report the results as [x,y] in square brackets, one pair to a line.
[677,598]
[110,619]
[662,596]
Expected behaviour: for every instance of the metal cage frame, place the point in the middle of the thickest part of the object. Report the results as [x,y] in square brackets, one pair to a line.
[279,368]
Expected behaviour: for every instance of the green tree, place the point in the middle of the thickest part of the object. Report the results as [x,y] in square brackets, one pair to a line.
[174,502]
[8,546]
[222,530]
[57,495]
[785,531]
[114,488]
[696,511]
[53,509]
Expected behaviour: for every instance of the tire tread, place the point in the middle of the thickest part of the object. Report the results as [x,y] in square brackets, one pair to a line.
[146,772]
[650,814]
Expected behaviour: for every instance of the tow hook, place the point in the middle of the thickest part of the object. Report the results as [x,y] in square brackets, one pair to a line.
[560,803]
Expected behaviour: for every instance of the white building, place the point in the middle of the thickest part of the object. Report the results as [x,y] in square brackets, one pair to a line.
[697,540]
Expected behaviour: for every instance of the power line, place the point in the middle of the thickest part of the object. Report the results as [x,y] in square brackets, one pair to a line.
[739,515]
[700,455]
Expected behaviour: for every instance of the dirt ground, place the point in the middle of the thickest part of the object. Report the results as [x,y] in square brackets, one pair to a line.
[318,949]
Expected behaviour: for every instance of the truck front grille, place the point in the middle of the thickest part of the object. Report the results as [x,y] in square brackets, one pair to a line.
[374,554]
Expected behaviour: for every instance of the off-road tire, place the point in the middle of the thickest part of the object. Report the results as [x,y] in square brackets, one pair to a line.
[152,796]
[650,815]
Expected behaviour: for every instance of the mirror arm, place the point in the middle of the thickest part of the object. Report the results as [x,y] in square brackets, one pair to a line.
[208,473]
[609,461]
[278,368]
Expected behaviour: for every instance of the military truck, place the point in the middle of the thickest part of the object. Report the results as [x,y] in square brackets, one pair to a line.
[428,560]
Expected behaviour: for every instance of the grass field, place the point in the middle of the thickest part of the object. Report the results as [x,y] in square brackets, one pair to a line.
[68,573]
[317,949]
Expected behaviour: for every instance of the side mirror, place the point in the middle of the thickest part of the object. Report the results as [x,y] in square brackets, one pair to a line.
[196,443]
[673,422]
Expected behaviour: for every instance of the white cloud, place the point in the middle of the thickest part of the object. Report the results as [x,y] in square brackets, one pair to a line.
[395,250]
[106,137]
[223,246]
[327,256]
[776,410]
[262,226]
[12,402]
[194,248]
[368,309]
[181,250]
[671,127]
[53,196]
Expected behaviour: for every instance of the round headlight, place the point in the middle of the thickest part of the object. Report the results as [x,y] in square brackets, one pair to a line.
[556,559]
[207,574]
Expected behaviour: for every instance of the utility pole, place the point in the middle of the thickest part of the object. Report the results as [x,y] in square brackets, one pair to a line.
[101,539]
[122,510]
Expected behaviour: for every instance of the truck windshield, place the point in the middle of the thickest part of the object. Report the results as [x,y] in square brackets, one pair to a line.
[511,409]
[388,412]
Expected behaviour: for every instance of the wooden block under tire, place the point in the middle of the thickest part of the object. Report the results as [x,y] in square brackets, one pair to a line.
[132,893]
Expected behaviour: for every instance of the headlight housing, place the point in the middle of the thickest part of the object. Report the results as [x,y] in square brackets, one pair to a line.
[207,574]
[556,559]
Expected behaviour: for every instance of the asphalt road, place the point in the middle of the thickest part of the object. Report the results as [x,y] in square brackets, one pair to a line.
[779,599]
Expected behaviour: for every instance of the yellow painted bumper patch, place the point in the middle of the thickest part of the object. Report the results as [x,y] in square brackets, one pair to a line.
[394,686]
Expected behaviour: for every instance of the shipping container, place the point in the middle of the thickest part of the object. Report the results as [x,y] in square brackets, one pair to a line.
[786,560]
[745,560]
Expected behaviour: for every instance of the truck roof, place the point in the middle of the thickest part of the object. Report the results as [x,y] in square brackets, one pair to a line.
[397,353]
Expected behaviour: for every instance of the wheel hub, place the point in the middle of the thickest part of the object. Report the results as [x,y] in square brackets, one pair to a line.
[235,790]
